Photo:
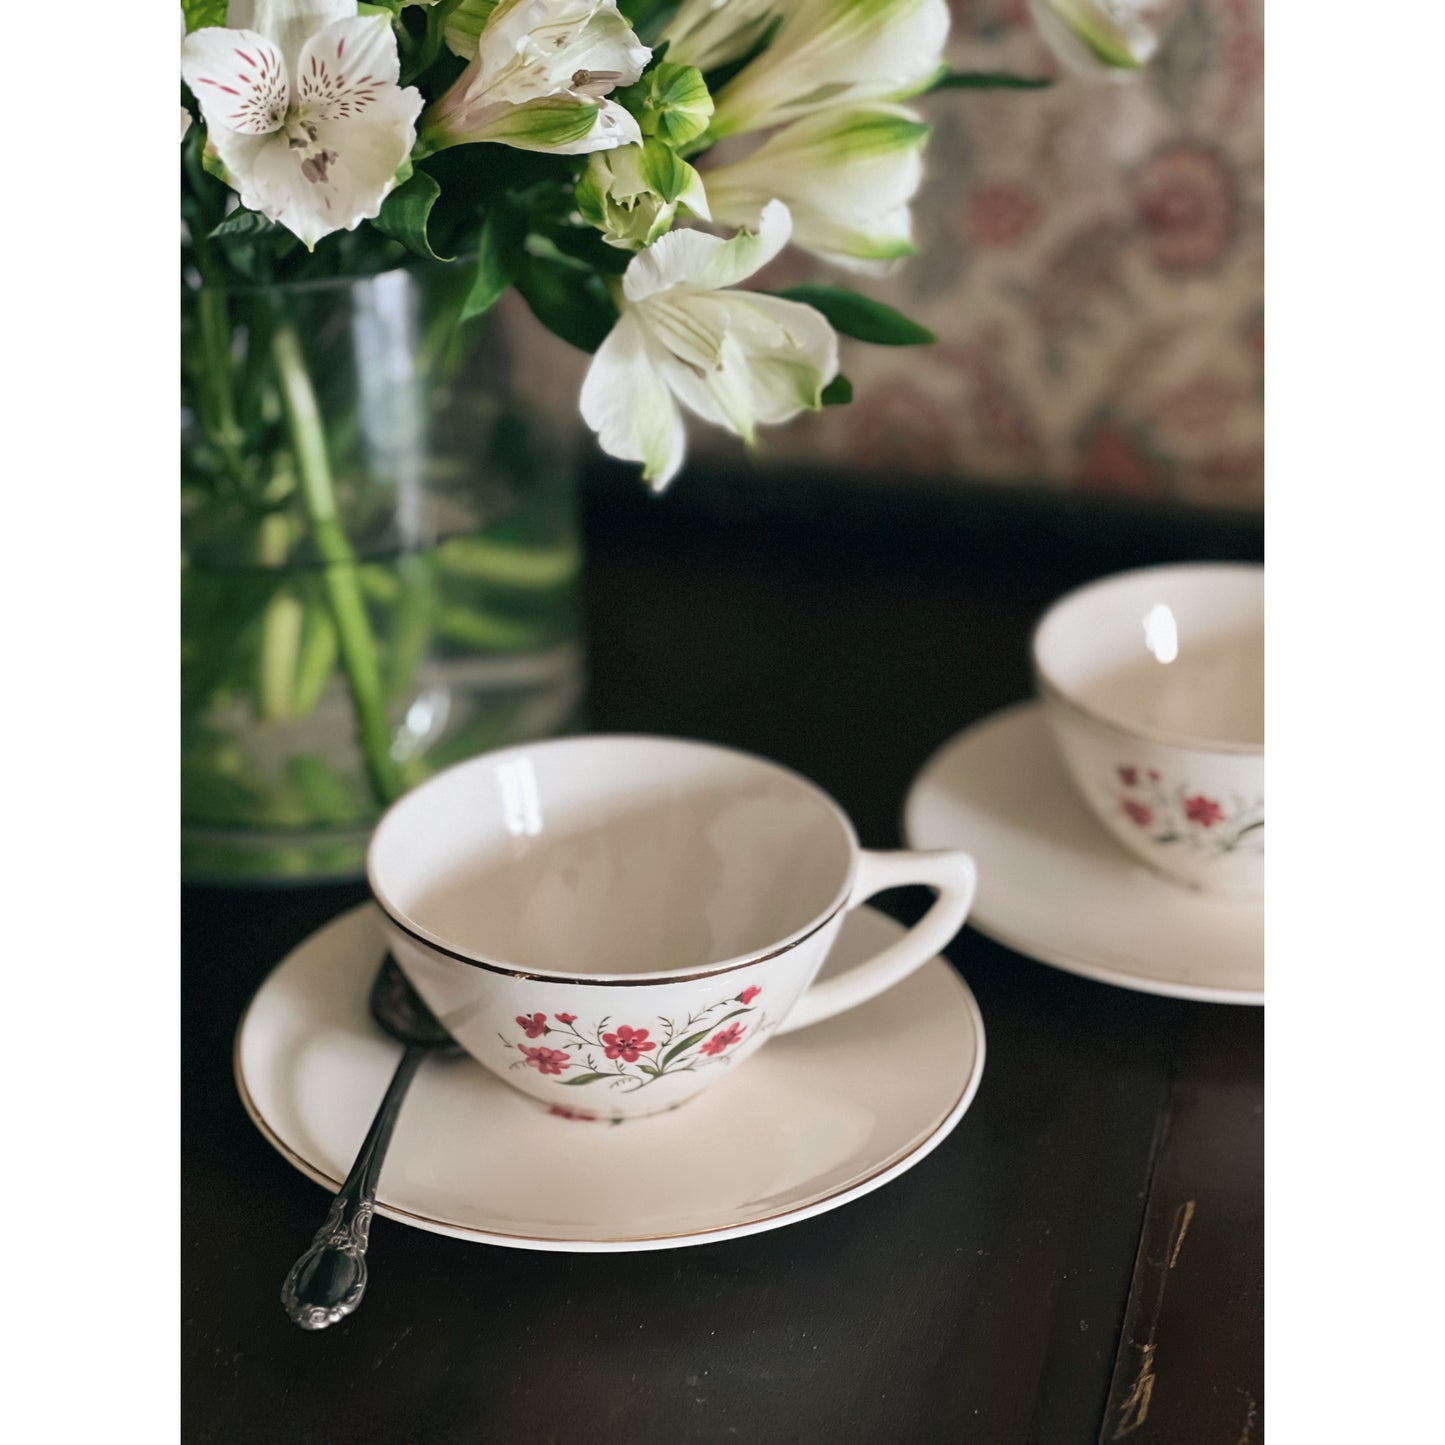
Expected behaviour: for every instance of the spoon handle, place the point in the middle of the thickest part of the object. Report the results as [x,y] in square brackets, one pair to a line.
[327,1282]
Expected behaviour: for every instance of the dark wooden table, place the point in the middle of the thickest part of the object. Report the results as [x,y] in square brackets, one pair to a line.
[1082,1260]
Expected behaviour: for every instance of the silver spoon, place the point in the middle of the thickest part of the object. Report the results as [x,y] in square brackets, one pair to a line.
[327,1282]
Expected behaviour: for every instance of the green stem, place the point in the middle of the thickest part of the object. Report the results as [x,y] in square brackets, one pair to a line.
[216,339]
[510,565]
[317,659]
[430,47]
[341,574]
[280,647]
[213,319]
[281,624]
[411,625]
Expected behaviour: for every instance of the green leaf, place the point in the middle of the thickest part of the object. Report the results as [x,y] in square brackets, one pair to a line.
[587,1079]
[242,223]
[405,213]
[499,257]
[861,316]
[567,299]
[697,1038]
[213,165]
[589,248]
[838,392]
[683,1047]
[200,13]
[639,12]
[988,80]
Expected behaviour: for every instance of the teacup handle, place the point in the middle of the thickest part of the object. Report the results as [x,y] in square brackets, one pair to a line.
[952,874]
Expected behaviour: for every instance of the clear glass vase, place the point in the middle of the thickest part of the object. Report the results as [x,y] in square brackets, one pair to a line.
[380,557]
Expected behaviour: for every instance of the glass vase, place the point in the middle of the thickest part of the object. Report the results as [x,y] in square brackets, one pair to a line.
[379,563]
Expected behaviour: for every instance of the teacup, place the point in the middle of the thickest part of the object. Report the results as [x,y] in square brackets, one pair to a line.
[1153,682]
[612,924]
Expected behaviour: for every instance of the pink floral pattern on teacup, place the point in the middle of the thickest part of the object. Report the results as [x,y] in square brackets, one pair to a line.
[627,1043]
[546,1061]
[630,1057]
[724,1039]
[1177,815]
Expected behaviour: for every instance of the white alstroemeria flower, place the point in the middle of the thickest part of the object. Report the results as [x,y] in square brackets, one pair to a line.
[1097,39]
[734,358]
[834,54]
[707,33]
[302,106]
[539,77]
[846,176]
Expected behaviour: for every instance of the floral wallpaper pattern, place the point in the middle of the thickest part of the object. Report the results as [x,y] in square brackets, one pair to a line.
[1091,259]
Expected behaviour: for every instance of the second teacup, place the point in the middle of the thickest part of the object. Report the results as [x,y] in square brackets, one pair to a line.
[610,924]
[1153,682]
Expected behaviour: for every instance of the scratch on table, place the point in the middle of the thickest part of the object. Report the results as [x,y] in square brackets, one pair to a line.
[1135,1407]
[1250,1416]
[383,1356]
[1186,1213]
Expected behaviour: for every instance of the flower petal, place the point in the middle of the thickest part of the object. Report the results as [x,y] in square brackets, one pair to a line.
[560,124]
[336,183]
[700,262]
[291,23]
[718,394]
[614,126]
[342,68]
[847,178]
[708,33]
[829,53]
[791,350]
[1094,39]
[563,37]
[625,401]
[239,78]
[606,46]
[772,359]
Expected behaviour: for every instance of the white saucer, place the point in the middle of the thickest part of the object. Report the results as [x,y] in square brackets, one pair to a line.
[818,1118]
[1053,885]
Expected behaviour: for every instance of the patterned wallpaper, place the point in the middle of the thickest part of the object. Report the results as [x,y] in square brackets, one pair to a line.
[1091,258]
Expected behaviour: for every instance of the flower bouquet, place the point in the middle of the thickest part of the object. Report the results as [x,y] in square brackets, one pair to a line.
[379,551]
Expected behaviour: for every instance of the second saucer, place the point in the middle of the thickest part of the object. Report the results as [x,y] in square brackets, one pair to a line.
[1053,885]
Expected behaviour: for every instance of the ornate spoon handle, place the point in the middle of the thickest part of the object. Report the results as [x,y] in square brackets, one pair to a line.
[327,1282]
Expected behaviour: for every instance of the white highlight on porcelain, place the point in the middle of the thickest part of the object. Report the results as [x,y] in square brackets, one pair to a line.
[1161,633]
[822,1117]
[1052,884]
[646,883]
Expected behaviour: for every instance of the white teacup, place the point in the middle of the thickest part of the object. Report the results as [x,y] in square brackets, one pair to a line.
[1153,682]
[610,924]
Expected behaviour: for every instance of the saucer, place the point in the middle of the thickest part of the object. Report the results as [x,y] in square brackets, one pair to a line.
[1054,886]
[816,1119]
